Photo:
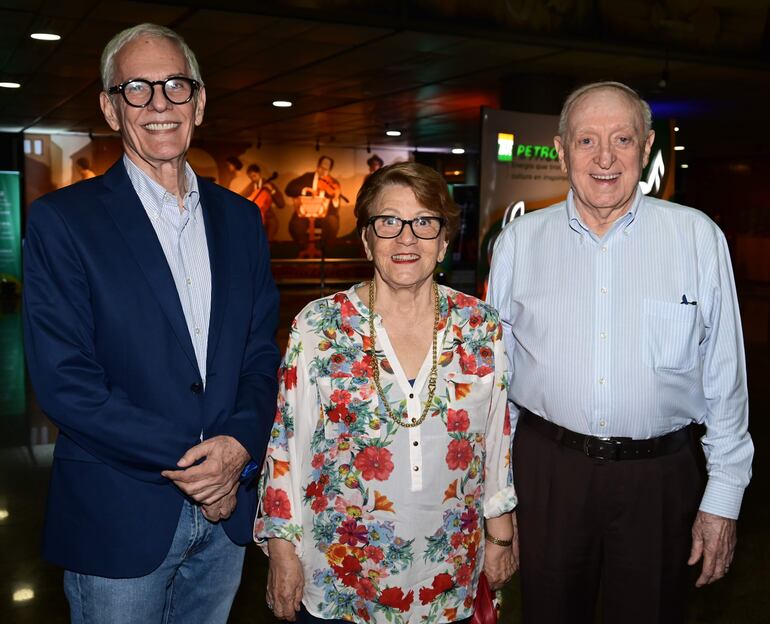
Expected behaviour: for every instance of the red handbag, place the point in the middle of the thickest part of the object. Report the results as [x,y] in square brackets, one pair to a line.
[484,611]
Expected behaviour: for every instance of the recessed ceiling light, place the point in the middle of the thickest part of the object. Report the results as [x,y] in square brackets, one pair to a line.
[676,128]
[458,150]
[43,36]
[24,594]
[4,514]
[679,148]
[393,133]
[684,166]
[9,85]
[282,104]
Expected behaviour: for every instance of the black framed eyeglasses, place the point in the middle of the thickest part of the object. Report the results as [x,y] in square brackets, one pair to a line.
[139,92]
[388,226]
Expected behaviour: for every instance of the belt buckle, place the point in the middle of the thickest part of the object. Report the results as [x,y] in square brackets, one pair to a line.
[601,448]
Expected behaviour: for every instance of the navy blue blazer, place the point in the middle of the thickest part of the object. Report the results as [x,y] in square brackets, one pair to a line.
[112,364]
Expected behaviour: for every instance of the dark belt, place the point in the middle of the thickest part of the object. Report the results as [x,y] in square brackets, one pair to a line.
[607,448]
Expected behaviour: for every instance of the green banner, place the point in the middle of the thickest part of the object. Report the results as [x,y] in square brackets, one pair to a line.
[12,394]
[10,226]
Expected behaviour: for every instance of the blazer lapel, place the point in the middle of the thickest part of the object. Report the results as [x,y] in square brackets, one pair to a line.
[214,216]
[129,215]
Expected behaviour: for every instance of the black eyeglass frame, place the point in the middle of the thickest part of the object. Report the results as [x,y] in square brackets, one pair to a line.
[194,87]
[409,222]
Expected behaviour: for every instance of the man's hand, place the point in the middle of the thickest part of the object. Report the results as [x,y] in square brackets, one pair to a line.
[223,508]
[713,538]
[206,483]
[285,580]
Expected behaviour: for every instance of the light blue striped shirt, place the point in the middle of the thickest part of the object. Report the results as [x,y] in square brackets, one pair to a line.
[635,334]
[182,235]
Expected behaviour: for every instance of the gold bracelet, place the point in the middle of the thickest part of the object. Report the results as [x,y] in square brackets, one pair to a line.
[498,542]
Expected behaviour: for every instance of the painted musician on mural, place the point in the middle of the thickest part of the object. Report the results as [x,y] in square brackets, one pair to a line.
[264,194]
[387,487]
[320,184]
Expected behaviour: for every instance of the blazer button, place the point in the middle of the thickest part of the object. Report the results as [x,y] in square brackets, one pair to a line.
[196,388]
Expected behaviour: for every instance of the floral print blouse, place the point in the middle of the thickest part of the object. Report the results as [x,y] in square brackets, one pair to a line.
[388,520]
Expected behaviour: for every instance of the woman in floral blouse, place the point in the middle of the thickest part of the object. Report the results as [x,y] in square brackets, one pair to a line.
[391,444]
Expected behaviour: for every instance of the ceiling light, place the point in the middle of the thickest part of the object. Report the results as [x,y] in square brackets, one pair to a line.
[282,104]
[684,166]
[9,85]
[23,595]
[458,150]
[4,514]
[678,148]
[44,36]
[393,133]
[676,128]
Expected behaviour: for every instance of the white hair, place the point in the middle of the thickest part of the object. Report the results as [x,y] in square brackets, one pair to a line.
[153,31]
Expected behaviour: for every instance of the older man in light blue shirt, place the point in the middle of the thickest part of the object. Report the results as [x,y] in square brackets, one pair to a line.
[622,327]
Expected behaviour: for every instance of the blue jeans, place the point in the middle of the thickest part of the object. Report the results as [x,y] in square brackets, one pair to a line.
[195,583]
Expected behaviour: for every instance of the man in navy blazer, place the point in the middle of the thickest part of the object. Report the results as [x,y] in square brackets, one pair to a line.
[150,314]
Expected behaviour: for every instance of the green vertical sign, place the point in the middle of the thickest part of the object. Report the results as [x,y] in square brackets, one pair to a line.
[12,393]
[10,226]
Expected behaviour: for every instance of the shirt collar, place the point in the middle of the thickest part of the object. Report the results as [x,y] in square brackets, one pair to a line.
[147,188]
[624,222]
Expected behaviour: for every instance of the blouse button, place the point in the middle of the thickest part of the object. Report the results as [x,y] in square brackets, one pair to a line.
[411,396]
[415,443]
[416,468]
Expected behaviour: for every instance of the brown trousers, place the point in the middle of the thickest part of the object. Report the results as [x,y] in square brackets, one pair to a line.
[616,528]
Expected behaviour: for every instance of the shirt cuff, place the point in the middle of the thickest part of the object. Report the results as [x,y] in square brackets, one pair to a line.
[722,499]
[504,501]
[266,528]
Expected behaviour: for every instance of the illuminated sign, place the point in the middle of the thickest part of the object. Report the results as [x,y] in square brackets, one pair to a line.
[504,147]
[654,175]
[10,226]
[505,151]
[537,151]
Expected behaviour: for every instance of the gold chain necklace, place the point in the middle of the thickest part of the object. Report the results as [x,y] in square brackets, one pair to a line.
[433,371]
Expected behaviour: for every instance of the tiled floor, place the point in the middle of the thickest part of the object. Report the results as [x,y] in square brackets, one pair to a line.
[30,589]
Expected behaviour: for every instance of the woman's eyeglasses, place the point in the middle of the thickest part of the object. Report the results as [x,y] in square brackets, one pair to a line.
[387,226]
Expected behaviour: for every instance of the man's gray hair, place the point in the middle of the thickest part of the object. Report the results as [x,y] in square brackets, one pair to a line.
[154,31]
[644,108]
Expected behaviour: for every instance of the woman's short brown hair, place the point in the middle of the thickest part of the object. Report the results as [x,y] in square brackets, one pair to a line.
[428,187]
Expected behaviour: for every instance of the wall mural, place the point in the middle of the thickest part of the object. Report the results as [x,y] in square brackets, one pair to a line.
[306,196]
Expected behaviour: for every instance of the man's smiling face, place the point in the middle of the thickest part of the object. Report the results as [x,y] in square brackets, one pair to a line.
[604,150]
[161,131]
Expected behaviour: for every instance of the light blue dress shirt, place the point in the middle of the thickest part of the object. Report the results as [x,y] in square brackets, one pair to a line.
[182,235]
[634,334]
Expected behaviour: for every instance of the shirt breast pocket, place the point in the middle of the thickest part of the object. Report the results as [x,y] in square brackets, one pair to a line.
[347,409]
[473,394]
[669,335]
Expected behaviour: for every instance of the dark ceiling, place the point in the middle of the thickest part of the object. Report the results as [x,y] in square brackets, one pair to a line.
[354,68]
